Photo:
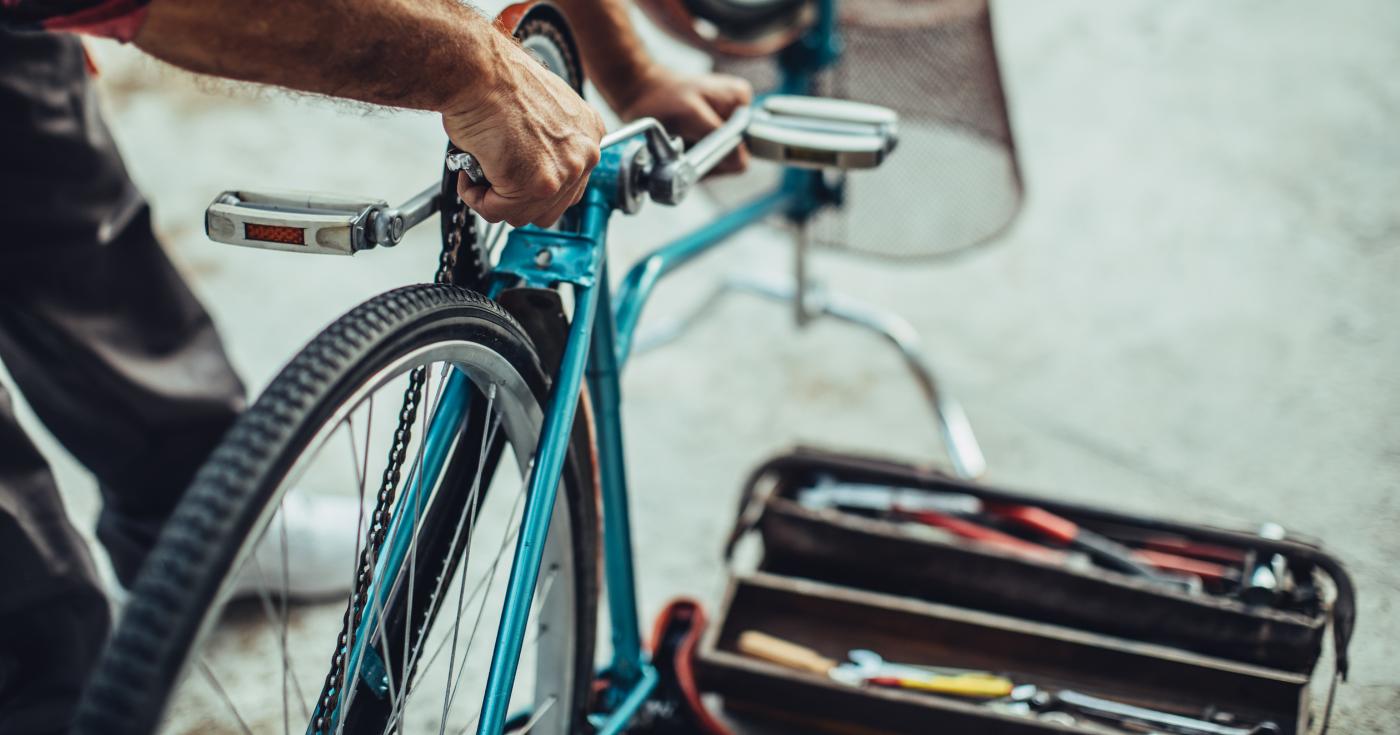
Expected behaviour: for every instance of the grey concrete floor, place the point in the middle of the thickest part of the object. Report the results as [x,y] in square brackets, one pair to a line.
[1195,314]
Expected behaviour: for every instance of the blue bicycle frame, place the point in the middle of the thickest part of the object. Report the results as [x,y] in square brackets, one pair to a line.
[599,342]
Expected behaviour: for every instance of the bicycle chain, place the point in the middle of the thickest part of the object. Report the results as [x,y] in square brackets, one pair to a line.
[451,269]
[462,231]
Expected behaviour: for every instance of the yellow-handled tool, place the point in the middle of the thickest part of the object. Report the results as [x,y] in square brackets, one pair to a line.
[867,668]
[786,653]
[975,686]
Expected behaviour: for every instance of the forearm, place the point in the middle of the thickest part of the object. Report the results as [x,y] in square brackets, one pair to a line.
[422,54]
[613,55]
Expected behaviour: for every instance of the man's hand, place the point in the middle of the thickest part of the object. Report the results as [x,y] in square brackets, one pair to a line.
[535,138]
[635,86]
[689,106]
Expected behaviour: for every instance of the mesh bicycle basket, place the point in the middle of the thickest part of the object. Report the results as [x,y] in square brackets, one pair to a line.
[953,182]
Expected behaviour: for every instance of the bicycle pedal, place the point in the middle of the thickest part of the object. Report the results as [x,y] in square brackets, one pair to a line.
[293,222]
[819,132]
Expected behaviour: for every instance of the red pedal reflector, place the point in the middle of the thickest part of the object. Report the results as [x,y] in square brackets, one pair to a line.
[275,233]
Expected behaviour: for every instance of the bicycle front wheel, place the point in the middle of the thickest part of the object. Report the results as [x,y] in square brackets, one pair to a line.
[439,487]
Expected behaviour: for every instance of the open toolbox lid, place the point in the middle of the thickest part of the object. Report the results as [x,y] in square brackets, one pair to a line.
[856,551]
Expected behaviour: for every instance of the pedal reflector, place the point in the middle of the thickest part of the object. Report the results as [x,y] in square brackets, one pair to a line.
[275,233]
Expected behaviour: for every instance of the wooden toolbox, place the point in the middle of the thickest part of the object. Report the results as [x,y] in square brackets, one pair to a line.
[835,581]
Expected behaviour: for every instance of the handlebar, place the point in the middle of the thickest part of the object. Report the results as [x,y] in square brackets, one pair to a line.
[311,223]
[670,171]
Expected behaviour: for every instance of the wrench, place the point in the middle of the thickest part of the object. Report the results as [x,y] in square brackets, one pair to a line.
[871,662]
[867,667]
[1084,704]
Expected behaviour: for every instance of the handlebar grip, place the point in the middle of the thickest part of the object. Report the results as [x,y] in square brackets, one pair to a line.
[458,160]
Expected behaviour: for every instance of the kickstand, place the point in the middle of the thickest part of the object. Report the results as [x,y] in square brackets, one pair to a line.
[810,301]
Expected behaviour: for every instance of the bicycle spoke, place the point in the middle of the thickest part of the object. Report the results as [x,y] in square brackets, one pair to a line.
[529,724]
[281,622]
[223,694]
[360,464]
[489,436]
[537,610]
[475,493]
[538,715]
[542,596]
[484,583]
[471,599]
[361,472]
[415,472]
[491,580]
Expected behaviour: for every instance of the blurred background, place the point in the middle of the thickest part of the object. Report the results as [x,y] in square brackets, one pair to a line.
[1196,313]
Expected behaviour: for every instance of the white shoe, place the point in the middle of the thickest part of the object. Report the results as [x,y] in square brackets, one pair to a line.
[321,532]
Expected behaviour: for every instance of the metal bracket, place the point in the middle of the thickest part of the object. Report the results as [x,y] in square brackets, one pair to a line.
[542,258]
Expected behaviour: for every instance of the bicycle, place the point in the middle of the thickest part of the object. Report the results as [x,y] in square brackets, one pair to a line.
[494,356]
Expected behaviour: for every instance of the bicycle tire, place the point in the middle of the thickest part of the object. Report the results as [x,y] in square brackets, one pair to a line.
[175,596]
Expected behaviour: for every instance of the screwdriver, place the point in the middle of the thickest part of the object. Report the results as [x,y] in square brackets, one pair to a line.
[1105,551]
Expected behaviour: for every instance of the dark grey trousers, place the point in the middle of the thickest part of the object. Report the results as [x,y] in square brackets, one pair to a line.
[114,354]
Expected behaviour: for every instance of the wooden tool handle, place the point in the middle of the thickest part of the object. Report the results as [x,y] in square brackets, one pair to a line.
[785,653]
[976,686]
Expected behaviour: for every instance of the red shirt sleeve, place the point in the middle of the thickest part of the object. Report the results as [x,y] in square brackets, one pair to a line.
[119,19]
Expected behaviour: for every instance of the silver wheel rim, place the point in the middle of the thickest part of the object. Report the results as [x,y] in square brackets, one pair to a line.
[547,706]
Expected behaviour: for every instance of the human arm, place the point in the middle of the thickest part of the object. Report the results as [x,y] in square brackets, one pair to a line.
[535,138]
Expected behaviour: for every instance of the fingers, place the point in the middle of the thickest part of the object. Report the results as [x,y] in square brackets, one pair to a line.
[518,209]
[734,163]
[536,141]
[727,94]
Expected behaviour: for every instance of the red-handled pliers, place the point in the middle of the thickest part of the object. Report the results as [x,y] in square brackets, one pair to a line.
[1107,552]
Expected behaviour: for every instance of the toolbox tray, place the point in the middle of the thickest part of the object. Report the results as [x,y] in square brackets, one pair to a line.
[831,620]
[885,556]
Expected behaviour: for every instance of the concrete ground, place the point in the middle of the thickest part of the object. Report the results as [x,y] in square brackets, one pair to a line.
[1195,314]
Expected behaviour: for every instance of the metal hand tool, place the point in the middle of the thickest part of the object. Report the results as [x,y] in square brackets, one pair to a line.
[974,531]
[936,509]
[867,667]
[1130,715]
[785,653]
[949,512]
[972,686]
[871,660]
[829,493]
[1105,551]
